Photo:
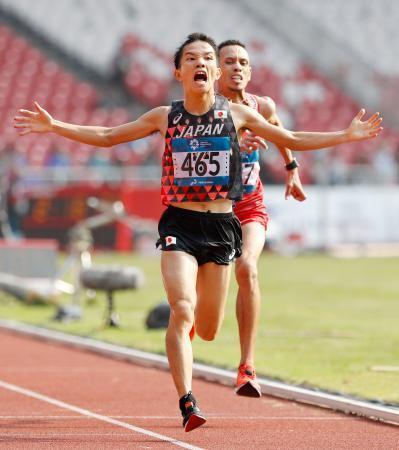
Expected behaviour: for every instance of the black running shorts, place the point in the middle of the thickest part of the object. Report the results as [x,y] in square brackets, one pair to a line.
[209,237]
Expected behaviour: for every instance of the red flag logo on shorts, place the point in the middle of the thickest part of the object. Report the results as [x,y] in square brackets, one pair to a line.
[170,240]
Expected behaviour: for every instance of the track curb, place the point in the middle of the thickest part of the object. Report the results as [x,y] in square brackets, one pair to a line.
[347,405]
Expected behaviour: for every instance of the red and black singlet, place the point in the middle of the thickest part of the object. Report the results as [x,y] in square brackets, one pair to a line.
[201,161]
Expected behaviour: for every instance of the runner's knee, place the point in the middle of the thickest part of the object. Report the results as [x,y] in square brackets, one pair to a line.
[182,312]
[246,271]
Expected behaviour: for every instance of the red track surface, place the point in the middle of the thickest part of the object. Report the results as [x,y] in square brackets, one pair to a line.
[145,398]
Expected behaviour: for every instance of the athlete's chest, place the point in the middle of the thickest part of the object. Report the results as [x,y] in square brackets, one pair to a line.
[201,153]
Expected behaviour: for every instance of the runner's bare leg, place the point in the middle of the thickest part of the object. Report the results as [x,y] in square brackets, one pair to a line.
[212,287]
[249,297]
[179,272]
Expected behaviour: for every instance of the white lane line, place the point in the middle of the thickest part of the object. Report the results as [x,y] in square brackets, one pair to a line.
[86,412]
[214,416]
[44,434]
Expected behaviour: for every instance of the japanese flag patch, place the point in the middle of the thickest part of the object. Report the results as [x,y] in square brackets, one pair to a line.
[170,240]
[220,114]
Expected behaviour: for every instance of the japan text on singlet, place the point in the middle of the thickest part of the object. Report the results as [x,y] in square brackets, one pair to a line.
[201,161]
[250,161]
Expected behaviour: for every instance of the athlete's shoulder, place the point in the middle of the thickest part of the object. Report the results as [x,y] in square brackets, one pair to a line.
[162,109]
[156,118]
[241,109]
[242,115]
[267,106]
[159,112]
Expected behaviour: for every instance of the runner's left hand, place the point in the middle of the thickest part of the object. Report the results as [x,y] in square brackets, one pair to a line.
[370,128]
[293,186]
[251,142]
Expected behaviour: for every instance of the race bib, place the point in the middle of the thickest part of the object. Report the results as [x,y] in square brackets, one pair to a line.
[250,175]
[201,161]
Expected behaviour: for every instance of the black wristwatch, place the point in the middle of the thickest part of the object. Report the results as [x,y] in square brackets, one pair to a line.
[292,165]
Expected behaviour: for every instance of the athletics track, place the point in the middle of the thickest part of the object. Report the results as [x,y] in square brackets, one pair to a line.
[56,397]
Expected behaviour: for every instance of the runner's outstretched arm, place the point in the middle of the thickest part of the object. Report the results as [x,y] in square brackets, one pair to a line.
[40,121]
[245,117]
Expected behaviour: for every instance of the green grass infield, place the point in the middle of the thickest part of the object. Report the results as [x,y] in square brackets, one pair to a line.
[326,323]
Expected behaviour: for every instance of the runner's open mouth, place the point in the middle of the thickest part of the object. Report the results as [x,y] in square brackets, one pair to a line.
[201,76]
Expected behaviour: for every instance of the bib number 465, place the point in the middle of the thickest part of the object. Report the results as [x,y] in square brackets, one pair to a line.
[201,163]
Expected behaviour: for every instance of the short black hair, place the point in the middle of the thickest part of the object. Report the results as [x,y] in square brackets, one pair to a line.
[194,37]
[231,42]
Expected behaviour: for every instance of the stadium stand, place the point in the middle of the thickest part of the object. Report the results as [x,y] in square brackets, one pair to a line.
[340,20]
[27,74]
[138,45]
[145,70]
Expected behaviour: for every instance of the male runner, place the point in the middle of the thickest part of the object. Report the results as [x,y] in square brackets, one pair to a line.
[201,176]
[251,211]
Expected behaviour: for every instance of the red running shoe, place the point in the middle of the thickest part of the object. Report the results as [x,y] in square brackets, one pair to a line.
[247,386]
[192,416]
[192,332]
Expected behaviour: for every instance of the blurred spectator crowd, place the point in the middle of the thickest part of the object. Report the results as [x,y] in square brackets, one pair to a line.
[98,33]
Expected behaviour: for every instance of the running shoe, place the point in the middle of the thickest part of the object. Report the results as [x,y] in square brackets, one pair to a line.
[192,332]
[247,386]
[192,416]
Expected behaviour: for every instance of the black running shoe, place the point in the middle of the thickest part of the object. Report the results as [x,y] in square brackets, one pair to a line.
[192,416]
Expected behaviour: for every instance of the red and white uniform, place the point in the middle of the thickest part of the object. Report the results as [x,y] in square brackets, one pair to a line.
[251,208]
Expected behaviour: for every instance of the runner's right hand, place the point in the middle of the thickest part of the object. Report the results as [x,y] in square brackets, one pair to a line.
[33,122]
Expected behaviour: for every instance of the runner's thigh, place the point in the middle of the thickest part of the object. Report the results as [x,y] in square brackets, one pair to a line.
[212,286]
[179,273]
[253,240]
